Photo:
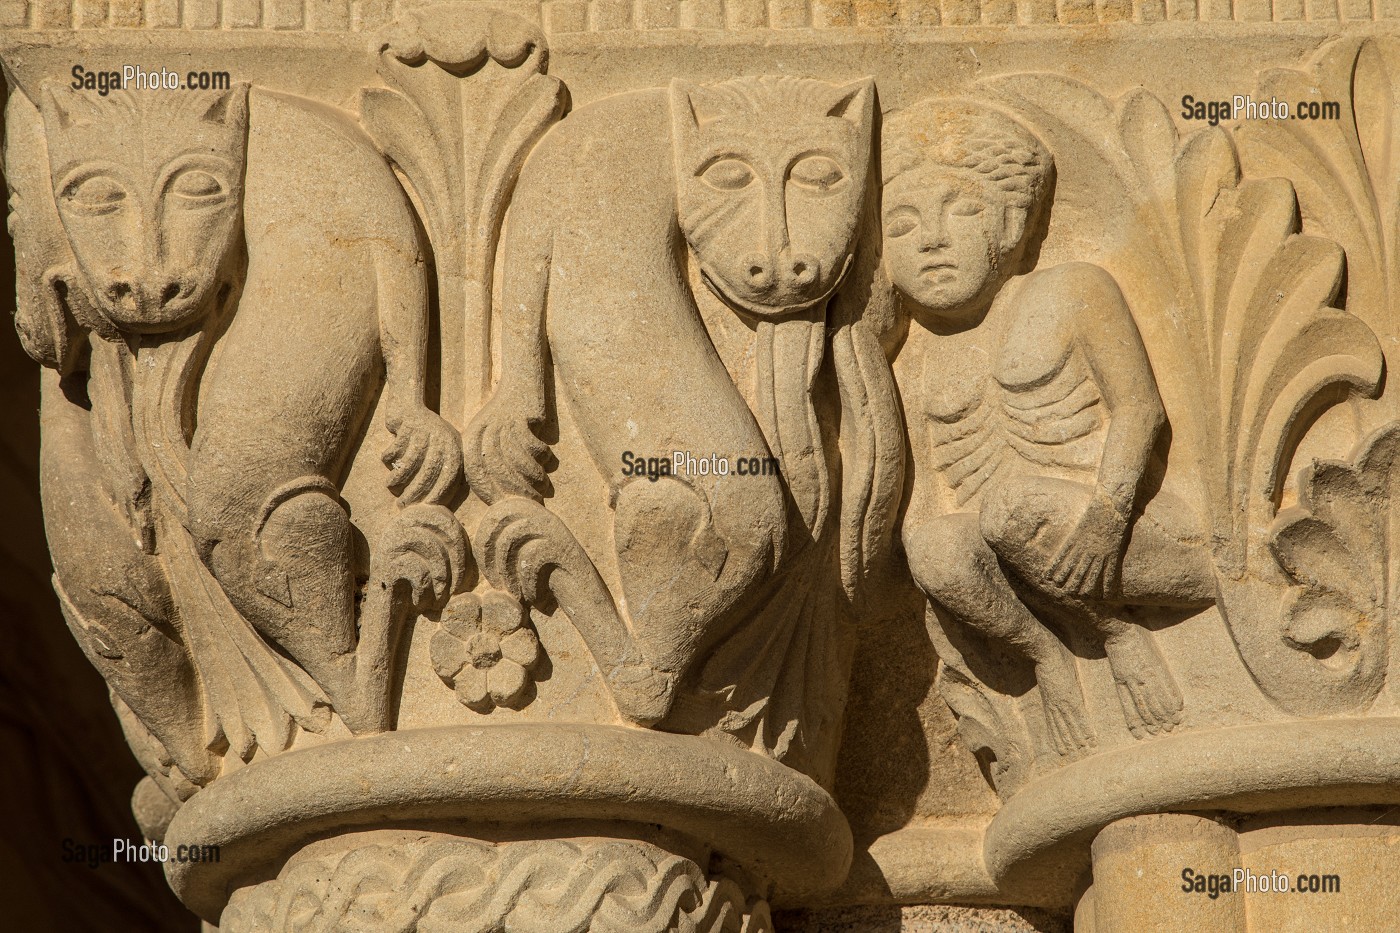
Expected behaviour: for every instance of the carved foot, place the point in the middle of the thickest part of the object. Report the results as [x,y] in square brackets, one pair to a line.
[525,549]
[421,558]
[1152,703]
[1063,700]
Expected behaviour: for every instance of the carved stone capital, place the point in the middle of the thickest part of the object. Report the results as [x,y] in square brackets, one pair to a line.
[619,466]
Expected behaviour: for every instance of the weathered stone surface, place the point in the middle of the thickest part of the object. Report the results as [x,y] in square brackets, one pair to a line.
[671,466]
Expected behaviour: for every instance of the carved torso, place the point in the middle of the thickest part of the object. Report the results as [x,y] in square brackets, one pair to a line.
[1011,394]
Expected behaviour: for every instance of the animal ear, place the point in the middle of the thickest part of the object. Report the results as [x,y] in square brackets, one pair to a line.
[693,105]
[62,106]
[228,108]
[854,102]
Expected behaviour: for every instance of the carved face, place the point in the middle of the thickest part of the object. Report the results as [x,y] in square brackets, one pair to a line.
[945,233]
[149,189]
[772,177]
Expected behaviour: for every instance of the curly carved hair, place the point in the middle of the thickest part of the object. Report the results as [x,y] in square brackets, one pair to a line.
[961,134]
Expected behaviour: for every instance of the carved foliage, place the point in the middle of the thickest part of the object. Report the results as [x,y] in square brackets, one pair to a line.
[1337,546]
[461,144]
[1347,170]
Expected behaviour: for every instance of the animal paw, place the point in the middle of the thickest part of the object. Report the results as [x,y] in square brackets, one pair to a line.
[425,458]
[425,546]
[643,694]
[502,455]
[519,540]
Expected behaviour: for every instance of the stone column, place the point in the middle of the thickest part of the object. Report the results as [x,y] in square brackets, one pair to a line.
[1142,864]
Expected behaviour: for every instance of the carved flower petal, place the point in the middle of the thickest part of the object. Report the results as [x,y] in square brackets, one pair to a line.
[508,681]
[522,647]
[462,617]
[501,613]
[472,689]
[448,654]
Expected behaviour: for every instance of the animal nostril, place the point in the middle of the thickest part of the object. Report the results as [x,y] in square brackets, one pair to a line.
[172,291]
[798,268]
[119,291]
[756,271]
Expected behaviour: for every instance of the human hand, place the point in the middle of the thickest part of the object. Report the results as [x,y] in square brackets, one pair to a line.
[1086,563]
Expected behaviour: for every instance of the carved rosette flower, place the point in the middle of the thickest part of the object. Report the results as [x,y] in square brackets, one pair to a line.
[485,650]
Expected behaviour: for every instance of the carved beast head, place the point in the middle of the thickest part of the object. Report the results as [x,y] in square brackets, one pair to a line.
[149,189]
[44,264]
[772,175]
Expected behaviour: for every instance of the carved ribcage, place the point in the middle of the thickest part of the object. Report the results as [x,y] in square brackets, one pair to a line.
[1055,424]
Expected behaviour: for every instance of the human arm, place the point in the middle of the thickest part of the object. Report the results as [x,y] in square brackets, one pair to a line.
[1104,332]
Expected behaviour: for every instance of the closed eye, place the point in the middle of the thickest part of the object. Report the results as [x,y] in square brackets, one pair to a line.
[818,172]
[966,207]
[728,174]
[901,223]
[197,185]
[96,194]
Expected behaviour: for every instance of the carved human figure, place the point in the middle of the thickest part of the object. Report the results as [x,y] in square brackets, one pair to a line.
[760,183]
[237,382]
[1033,411]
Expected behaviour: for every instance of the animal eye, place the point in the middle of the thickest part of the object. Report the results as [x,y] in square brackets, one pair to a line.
[966,207]
[817,171]
[727,175]
[95,193]
[196,183]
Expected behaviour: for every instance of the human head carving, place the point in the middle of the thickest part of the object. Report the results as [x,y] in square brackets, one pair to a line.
[148,187]
[963,184]
[772,175]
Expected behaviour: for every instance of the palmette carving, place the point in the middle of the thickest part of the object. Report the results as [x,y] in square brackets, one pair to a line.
[461,144]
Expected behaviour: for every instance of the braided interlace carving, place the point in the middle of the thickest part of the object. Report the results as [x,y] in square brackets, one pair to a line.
[466,886]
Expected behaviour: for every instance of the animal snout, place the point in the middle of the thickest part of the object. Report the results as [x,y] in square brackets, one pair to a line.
[172,291]
[791,272]
[800,270]
[758,271]
[121,294]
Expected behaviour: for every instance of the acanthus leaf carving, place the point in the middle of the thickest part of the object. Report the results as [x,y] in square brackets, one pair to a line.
[1338,547]
[1346,171]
